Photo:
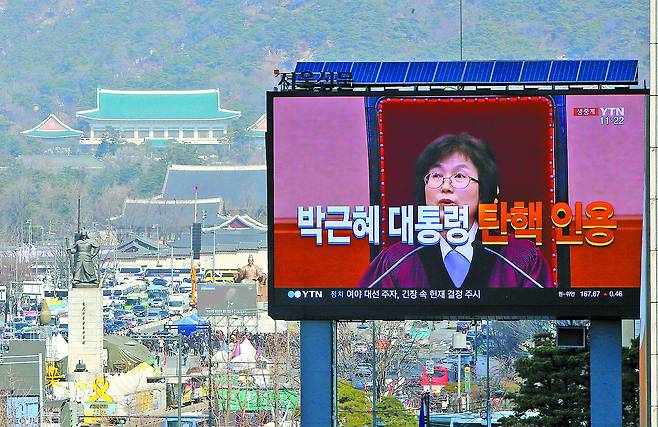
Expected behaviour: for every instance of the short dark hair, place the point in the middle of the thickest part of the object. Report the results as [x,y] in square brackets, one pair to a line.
[475,150]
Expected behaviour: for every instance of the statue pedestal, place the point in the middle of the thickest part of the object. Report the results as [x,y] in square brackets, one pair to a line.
[86,329]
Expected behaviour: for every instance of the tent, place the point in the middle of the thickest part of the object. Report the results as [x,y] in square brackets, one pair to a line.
[246,357]
[58,348]
[133,381]
[189,324]
[121,350]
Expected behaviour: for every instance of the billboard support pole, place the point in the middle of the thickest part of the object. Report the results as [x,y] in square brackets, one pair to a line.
[318,373]
[605,372]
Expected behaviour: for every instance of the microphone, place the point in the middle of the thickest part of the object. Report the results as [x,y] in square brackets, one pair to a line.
[394,266]
[478,245]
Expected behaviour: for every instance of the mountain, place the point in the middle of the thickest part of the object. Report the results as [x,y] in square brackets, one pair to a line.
[54,54]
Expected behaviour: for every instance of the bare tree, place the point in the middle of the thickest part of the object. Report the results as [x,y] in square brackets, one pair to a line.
[394,349]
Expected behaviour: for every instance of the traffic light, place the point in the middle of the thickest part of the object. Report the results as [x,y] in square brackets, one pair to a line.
[196,240]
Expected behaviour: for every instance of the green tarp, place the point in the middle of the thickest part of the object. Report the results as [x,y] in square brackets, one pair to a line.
[256,399]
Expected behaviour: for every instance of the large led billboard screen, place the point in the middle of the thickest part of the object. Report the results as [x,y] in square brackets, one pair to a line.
[384,206]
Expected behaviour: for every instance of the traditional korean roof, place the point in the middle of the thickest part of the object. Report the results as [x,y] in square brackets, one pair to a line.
[240,222]
[259,128]
[158,105]
[169,214]
[239,186]
[227,240]
[139,244]
[52,127]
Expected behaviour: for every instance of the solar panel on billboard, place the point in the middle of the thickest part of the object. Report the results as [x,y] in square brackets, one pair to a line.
[337,66]
[622,71]
[313,67]
[365,72]
[449,72]
[535,71]
[392,72]
[499,72]
[564,71]
[478,72]
[593,71]
[507,72]
[421,72]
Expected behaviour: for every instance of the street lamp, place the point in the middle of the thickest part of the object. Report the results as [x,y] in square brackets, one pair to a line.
[157,234]
[374,371]
[29,230]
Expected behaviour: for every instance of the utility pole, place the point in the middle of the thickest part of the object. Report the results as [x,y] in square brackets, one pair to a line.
[214,244]
[179,372]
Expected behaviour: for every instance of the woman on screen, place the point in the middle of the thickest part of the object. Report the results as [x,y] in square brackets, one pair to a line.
[458,170]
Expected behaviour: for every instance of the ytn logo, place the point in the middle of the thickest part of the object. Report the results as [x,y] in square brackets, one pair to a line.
[305,294]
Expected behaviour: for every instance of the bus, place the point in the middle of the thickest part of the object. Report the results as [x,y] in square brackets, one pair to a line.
[134,299]
[125,272]
[186,273]
[220,275]
[157,291]
[119,291]
[160,272]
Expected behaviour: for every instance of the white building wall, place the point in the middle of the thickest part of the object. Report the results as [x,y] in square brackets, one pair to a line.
[216,129]
[222,260]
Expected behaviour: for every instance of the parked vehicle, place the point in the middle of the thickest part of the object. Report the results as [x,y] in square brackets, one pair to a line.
[140,310]
[178,303]
[220,275]
[361,347]
[463,325]
[363,369]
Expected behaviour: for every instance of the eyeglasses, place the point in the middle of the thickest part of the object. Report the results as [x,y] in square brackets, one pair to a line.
[458,180]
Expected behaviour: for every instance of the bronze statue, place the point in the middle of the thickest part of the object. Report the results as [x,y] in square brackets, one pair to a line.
[250,272]
[84,251]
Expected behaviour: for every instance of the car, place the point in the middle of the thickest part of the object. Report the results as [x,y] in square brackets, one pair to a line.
[471,336]
[363,369]
[119,314]
[140,310]
[153,316]
[130,318]
[20,325]
[159,281]
[164,313]
[120,324]
[157,302]
[31,319]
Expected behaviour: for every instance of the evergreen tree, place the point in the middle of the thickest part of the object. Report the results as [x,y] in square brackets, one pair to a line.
[555,387]
[355,409]
[630,384]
